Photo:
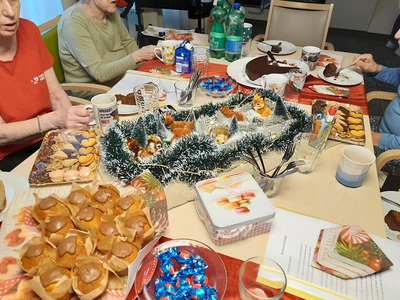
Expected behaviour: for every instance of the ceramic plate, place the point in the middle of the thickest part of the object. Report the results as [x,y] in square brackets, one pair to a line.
[236,71]
[12,182]
[287,48]
[125,109]
[386,207]
[289,63]
[346,77]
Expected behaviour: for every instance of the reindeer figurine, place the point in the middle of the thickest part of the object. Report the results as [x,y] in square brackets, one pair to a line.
[179,128]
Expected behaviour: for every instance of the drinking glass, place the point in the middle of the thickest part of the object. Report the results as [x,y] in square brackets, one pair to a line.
[294,86]
[309,147]
[270,186]
[146,96]
[261,278]
[246,46]
[200,58]
[185,96]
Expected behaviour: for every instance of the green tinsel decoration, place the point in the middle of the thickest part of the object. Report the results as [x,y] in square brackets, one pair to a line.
[196,157]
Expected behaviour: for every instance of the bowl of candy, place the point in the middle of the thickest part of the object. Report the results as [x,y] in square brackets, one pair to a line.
[181,269]
[218,86]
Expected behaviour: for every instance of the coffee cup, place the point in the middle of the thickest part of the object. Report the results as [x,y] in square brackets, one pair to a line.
[275,82]
[167,49]
[310,56]
[247,30]
[354,165]
[103,110]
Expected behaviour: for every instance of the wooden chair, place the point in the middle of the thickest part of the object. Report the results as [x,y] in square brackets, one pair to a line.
[389,155]
[50,37]
[302,24]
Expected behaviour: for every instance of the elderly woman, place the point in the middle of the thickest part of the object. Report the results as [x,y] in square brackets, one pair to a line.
[31,99]
[95,45]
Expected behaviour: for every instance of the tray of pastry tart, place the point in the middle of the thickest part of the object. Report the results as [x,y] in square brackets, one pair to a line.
[67,155]
[348,126]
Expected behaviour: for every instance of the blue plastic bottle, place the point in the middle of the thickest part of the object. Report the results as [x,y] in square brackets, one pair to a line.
[234,33]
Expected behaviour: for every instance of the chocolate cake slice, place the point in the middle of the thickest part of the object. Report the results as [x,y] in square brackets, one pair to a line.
[392,219]
[330,70]
[128,99]
[260,66]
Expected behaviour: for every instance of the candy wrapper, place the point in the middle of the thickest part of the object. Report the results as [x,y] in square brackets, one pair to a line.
[47,207]
[60,288]
[30,260]
[331,90]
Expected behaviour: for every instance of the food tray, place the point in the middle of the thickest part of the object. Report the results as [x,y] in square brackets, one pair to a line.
[67,155]
[349,123]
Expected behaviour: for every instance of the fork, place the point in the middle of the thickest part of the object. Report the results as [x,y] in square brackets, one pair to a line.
[254,163]
[341,69]
[292,165]
[288,154]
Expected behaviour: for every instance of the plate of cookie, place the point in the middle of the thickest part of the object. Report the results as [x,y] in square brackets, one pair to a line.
[67,155]
[348,126]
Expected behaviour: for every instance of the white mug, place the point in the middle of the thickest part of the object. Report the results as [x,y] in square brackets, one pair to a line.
[167,49]
[275,82]
[310,56]
[103,110]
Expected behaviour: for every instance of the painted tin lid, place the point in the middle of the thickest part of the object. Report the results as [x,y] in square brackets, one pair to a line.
[233,201]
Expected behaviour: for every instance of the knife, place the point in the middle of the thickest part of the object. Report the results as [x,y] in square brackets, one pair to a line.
[271,56]
[390,201]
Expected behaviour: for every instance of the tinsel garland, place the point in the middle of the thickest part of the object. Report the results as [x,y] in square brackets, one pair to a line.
[196,157]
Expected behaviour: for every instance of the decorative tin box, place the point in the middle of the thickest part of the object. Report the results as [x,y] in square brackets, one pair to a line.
[233,208]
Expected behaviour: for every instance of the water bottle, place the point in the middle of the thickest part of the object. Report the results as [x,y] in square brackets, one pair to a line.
[227,6]
[217,33]
[234,33]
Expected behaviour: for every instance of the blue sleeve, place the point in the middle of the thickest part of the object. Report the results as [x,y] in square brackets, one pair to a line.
[389,142]
[389,75]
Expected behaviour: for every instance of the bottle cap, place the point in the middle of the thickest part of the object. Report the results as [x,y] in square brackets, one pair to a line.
[236,5]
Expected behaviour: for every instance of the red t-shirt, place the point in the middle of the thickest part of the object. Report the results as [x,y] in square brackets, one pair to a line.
[24,92]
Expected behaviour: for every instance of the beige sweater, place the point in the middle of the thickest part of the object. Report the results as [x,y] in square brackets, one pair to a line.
[92,51]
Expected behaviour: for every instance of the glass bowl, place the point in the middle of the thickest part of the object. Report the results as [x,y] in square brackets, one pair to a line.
[215,79]
[149,269]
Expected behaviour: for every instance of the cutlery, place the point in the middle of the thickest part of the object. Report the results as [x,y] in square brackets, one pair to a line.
[260,156]
[341,69]
[194,82]
[294,170]
[256,164]
[288,154]
[271,56]
[251,161]
[390,201]
[292,165]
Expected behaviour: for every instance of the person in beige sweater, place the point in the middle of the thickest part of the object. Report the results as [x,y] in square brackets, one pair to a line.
[95,46]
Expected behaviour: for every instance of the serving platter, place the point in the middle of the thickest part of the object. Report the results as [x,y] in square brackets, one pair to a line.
[287,48]
[386,207]
[346,78]
[236,71]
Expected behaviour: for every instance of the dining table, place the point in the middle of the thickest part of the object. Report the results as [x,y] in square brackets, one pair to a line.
[317,194]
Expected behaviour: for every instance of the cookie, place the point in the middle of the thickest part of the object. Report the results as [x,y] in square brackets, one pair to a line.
[242,210]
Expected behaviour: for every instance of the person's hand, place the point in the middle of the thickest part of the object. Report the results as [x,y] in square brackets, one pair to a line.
[375,138]
[367,64]
[144,54]
[71,117]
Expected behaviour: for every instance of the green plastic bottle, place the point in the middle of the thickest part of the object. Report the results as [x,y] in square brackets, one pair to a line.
[234,33]
[227,6]
[217,33]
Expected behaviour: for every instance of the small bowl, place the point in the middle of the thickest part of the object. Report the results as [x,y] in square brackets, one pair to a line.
[215,272]
[215,79]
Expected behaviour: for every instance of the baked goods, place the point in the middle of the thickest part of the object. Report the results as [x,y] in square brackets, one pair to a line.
[139,223]
[78,197]
[3,201]
[105,197]
[128,99]
[125,252]
[59,226]
[87,217]
[129,202]
[69,249]
[276,48]
[49,206]
[330,70]
[90,277]
[52,276]
[392,220]
[32,254]
[105,229]
[260,66]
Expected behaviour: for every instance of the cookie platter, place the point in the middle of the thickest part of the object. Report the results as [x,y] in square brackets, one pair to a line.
[67,156]
[349,124]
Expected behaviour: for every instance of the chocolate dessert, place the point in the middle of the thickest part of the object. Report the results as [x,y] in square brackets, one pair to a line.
[330,70]
[128,99]
[392,220]
[276,48]
[260,66]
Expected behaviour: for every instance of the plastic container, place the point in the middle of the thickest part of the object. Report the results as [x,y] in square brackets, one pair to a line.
[233,208]
[217,33]
[234,34]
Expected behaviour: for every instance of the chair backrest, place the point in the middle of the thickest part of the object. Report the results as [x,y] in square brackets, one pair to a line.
[50,38]
[303,24]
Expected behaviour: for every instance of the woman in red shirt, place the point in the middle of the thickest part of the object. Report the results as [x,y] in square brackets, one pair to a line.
[31,101]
